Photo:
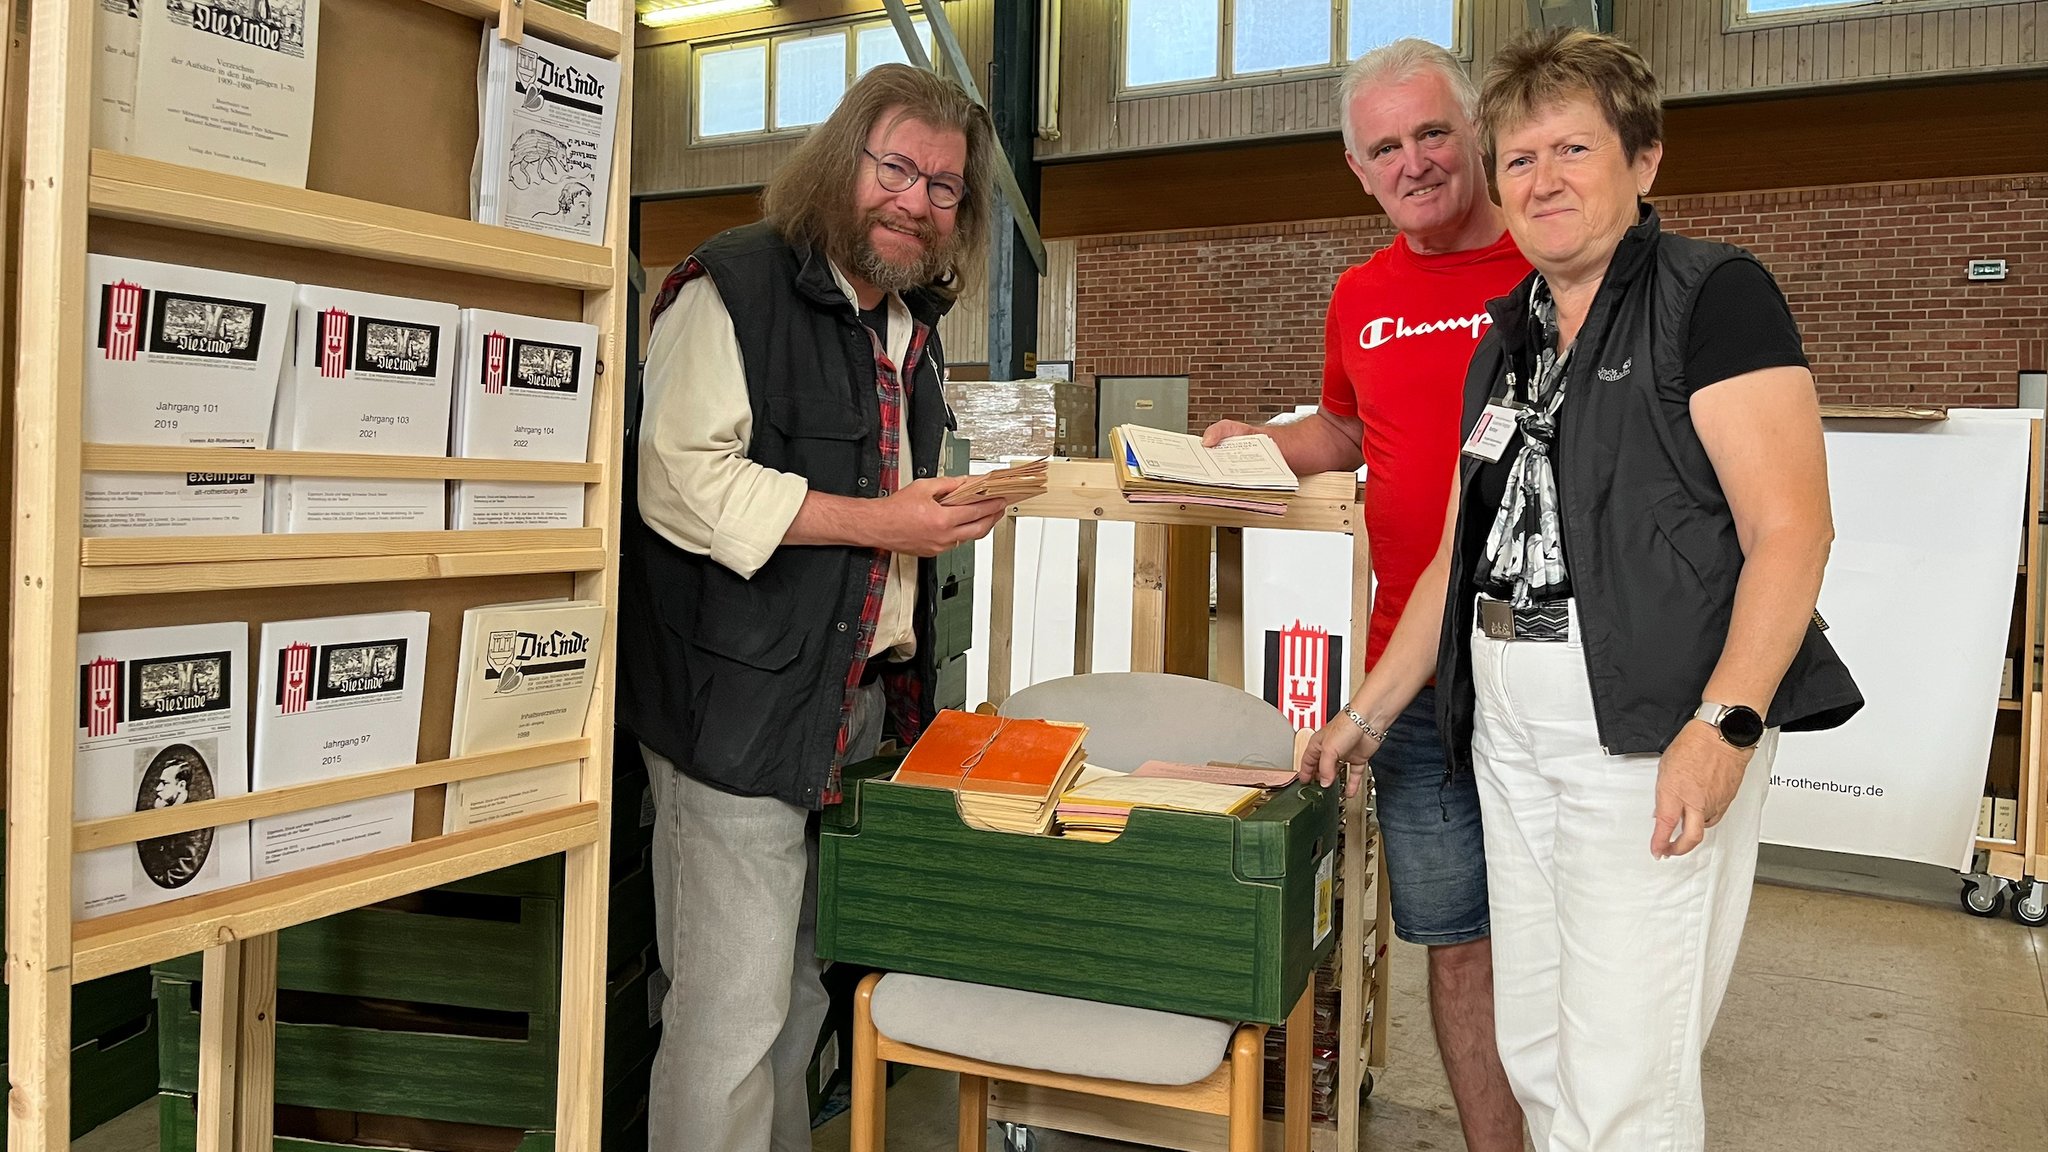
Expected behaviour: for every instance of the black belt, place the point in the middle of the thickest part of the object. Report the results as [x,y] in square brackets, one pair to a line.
[1500,620]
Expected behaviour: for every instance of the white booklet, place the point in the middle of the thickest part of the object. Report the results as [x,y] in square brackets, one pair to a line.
[179,356]
[371,373]
[526,676]
[228,86]
[1251,462]
[117,33]
[544,147]
[162,721]
[522,392]
[337,696]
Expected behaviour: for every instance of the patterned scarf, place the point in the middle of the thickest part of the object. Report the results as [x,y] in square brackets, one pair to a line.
[1524,560]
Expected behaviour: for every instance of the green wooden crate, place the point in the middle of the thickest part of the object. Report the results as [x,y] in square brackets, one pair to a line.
[409,1063]
[951,690]
[110,1074]
[623,1128]
[1201,915]
[956,565]
[953,625]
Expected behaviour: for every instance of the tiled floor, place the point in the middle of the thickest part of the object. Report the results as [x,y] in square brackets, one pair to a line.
[1853,1023]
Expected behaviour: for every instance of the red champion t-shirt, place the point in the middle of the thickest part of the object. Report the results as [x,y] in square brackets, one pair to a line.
[1400,331]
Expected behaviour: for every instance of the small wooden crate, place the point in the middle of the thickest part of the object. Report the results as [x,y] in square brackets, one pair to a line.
[1201,915]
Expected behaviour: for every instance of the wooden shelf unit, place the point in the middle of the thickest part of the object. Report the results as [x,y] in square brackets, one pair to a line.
[1085,490]
[2010,858]
[379,236]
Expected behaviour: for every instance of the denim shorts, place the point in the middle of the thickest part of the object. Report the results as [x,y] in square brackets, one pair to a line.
[1430,831]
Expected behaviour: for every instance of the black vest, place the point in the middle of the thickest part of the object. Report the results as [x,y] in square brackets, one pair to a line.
[1648,535]
[740,681]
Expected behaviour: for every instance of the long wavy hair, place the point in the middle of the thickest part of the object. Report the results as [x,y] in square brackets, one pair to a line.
[810,198]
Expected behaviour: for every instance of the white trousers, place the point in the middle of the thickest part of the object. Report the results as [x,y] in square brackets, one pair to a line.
[1608,964]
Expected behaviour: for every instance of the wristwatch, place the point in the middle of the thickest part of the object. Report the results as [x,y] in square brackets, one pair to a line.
[1738,724]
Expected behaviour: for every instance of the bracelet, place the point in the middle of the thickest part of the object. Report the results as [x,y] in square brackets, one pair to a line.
[1368,729]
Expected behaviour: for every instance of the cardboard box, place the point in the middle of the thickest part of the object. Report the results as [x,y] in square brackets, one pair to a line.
[1984,818]
[2005,818]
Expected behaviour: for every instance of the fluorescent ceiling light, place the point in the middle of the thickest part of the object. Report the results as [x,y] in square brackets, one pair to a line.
[662,15]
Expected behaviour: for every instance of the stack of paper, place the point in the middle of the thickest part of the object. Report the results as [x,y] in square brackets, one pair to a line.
[372,374]
[337,696]
[1012,485]
[1099,810]
[525,678]
[1159,467]
[1008,773]
[1240,775]
[544,146]
[162,720]
[179,356]
[522,393]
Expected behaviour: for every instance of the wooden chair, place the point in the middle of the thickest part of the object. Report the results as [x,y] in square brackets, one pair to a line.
[1236,1090]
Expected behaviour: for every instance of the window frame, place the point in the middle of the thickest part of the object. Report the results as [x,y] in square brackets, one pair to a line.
[1736,16]
[848,29]
[1226,47]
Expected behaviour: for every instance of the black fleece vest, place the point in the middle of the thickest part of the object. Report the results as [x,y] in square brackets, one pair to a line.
[739,681]
[1647,530]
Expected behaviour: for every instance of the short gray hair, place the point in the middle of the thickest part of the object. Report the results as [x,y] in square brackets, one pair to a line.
[1401,60]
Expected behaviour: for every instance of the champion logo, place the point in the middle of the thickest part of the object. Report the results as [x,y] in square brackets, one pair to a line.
[298,661]
[1613,374]
[1390,328]
[334,343]
[494,363]
[124,320]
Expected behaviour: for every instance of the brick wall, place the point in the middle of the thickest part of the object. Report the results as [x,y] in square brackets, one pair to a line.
[1874,274]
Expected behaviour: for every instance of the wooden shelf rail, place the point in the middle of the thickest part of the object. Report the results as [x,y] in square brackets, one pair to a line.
[267,462]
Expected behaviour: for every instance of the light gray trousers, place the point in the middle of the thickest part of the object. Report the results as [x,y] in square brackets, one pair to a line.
[735,915]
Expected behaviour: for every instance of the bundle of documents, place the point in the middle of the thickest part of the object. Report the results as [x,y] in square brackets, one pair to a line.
[1155,466]
[1100,809]
[1012,485]
[525,678]
[544,143]
[1007,773]
[1239,775]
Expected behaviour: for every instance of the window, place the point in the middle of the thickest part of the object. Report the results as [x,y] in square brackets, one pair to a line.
[788,82]
[1193,42]
[1753,12]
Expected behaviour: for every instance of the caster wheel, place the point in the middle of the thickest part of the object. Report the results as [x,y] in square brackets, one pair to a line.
[1018,1138]
[1985,897]
[2030,904]
[1365,1088]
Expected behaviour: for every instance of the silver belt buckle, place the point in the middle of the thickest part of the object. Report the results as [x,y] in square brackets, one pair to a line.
[1497,619]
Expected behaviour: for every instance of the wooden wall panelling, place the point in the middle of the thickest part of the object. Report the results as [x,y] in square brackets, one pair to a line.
[1687,42]
[664,160]
[1987,128]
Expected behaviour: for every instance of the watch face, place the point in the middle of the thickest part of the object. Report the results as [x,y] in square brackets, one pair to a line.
[1742,727]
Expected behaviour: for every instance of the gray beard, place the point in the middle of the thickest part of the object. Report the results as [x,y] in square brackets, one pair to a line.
[869,265]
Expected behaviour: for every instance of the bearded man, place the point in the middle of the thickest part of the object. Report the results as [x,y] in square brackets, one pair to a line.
[776,586]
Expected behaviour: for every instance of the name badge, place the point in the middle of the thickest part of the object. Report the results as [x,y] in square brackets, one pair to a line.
[1491,434]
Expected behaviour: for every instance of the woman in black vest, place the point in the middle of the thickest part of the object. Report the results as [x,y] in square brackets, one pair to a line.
[1621,616]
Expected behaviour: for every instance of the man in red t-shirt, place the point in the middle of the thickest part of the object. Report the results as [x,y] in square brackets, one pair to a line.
[1399,332]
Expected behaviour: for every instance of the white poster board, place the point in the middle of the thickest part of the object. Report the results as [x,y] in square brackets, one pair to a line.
[1929,524]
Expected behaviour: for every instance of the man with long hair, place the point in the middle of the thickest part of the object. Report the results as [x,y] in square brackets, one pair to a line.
[776,587]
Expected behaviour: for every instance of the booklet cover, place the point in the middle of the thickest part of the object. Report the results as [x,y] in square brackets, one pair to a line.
[335,697]
[117,34]
[372,374]
[161,722]
[227,86]
[544,147]
[522,392]
[526,677]
[179,356]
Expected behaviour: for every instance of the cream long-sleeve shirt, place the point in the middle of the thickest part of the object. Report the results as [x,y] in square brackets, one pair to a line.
[699,489]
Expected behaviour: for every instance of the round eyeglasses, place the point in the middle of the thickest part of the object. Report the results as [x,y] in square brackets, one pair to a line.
[898,173]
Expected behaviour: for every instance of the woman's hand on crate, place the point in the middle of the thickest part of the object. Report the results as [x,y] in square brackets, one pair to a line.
[1338,742]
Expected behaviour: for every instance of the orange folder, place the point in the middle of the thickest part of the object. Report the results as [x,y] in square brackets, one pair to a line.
[969,752]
